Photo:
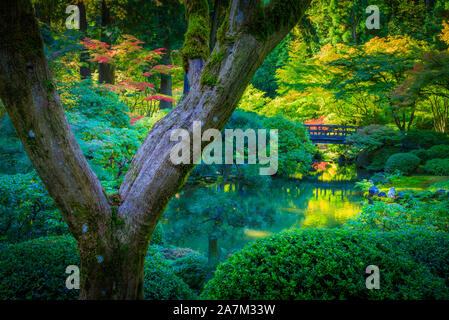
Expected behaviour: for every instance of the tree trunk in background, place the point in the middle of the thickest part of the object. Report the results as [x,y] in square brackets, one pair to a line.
[166,79]
[113,233]
[217,17]
[84,55]
[106,72]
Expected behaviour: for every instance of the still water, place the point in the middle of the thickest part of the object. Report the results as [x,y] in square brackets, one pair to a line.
[237,214]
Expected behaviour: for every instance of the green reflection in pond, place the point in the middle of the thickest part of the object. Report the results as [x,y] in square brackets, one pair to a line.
[237,214]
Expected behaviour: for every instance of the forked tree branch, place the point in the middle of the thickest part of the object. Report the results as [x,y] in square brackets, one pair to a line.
[248,34]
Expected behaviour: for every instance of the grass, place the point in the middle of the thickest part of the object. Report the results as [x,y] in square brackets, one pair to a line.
[416,182]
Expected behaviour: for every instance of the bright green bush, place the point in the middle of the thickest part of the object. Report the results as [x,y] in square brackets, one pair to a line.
[36,270]
[95,102]
[411,215]
[295,148]
[437,167]
[406,163]
[321,264]
[438,152]
[193,269]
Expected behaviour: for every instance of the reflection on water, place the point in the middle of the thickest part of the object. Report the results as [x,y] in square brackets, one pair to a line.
[237,214]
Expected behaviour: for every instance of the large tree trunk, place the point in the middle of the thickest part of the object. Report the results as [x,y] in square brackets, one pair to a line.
[113,233]
[166,79]
[84,54]
[106,71]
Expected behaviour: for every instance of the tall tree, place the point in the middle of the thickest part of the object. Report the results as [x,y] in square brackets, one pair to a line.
[84,55]
[106,73]
[113,232]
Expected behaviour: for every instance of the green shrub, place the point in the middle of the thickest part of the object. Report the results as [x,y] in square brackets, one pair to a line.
[160,282]
[440,185]
[406,163]
[424,139]
[26,209]
[295,148]
[425,247]
[372,138]
[13,158]
[411,215]
[36,270]
[158,237]
[193,269]
[438,152]
[321,264]
[379,157]
[437,167]
[420,153]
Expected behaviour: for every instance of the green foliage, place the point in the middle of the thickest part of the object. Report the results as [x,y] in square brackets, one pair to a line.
[321,264]
[440,185]
[438,167]
[380,157]
[102,128]
[406,163]
[373,137]
[158,237]
[424,139]
[194,269]
[35,269]
[95,103]
[26,209]
[428,248]
[295,148]
[420,153]
[413,214]
[13,158]
[438,152]
[160,282]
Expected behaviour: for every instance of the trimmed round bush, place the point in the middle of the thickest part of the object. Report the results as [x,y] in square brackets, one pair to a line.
[36,270]
[321,264]
[438,152]
[437,167]
[425,247]
[406,163]
[194,269]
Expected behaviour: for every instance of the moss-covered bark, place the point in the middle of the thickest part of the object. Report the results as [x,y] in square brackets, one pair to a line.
[196,43]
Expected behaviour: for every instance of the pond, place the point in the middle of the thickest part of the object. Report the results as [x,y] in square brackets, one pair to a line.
[236,214]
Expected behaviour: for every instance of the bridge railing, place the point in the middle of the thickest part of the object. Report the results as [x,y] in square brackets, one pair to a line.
[330,131]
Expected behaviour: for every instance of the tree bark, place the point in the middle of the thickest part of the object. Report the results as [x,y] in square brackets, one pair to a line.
[113,233]
[106,71]
[166,79]
[218,15]
[84,54]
